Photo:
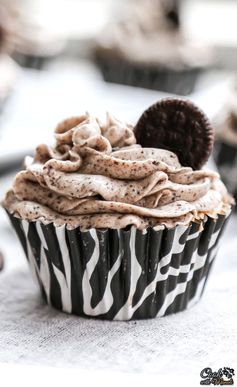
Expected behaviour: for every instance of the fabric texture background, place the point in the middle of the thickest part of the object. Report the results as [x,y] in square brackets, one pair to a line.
[33,333]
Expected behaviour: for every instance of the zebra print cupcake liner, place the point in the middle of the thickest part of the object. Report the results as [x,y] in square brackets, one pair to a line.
[120,274]
[180,82]
[225,156]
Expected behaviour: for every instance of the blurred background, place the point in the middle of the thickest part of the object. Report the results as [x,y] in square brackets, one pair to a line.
[56,55]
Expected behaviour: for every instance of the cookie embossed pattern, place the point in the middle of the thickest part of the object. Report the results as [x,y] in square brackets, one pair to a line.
[117,231]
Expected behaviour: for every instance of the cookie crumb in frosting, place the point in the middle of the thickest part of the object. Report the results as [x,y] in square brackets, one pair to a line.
[97,176]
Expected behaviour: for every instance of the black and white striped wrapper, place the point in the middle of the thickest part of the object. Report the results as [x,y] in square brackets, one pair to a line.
[180,81]
[120,274]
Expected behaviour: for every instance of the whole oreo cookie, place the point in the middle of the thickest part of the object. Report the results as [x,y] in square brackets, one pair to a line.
[179,126]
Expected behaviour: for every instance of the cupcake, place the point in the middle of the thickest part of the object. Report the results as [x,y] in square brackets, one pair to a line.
[145,46]
[225,150]
[1,261]
[34,39]
[8,68]
[112,224]
[9,72]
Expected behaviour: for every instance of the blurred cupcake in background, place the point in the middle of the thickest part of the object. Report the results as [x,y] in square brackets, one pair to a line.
[1,261]
[8,68]
[34,38]
[225,151]
[145,46]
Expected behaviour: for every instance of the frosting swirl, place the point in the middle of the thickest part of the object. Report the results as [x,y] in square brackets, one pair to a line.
[97,176]
[143,33]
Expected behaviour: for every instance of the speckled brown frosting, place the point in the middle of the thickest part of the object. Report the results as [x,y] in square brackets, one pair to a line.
[97,176]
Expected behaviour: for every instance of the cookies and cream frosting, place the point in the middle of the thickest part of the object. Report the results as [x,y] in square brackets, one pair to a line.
[97,176]
[142,33]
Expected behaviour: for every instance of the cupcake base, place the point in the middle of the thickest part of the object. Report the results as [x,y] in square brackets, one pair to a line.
[120,274]
[119,71]
[225,156]
[32,61]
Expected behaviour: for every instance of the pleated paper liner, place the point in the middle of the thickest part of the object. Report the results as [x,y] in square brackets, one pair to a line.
[180,81]
[36,62]
[120,274]
[225,156]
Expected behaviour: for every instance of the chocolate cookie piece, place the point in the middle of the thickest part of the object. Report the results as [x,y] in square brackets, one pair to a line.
[179,126]
[1,261]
